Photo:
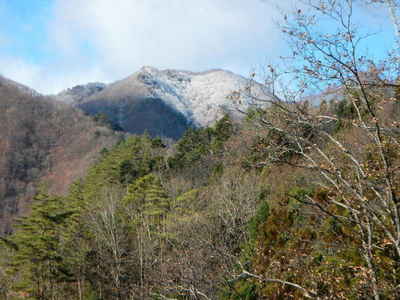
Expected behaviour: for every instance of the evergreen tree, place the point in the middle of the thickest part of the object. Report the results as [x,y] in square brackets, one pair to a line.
[39,243]
[147,197]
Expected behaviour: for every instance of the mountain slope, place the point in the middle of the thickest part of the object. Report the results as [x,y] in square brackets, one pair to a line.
[8,83]
[167,102]
[78,93]
[41,141]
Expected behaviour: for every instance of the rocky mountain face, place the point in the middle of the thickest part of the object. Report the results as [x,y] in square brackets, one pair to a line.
[41,141]
[164,102]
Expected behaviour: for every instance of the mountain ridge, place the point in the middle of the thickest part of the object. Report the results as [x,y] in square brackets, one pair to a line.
[42,142]
[4,81]
[192,99]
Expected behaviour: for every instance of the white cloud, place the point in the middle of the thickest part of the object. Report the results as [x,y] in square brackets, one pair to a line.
[103,40]
[190,34]
[47,80]
[19,70]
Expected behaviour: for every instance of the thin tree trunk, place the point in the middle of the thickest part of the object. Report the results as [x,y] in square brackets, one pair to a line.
[79,289]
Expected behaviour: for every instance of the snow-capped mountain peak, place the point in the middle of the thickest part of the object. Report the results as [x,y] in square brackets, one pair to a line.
[203,97]
[166,101]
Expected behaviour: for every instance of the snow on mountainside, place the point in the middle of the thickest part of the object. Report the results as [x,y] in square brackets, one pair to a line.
[201,97]
[80,92]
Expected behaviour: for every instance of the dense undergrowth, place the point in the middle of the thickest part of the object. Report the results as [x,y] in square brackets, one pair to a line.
[212,217]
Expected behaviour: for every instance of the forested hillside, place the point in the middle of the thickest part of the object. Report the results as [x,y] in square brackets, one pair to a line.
[229,212]
[297,199]
[41,141]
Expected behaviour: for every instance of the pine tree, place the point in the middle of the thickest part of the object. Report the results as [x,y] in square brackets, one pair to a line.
[147,197]
[39,245]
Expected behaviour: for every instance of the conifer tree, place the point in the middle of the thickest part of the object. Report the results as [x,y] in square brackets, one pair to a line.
[39,245]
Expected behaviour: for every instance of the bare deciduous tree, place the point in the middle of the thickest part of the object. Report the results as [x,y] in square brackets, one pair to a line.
[360,179]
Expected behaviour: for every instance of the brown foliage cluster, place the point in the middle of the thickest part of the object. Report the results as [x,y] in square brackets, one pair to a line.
[41,141]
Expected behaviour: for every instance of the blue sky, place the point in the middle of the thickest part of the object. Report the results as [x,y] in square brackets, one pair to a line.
[24,29]
[51,45]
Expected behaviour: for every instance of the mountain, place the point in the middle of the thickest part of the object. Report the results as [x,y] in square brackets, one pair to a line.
[8,83]
[78,93]
[163,102]
[41,141]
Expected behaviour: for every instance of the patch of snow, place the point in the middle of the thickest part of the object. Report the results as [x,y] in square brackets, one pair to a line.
[201,97]
[78,93]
